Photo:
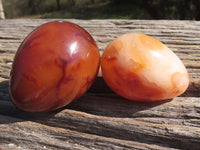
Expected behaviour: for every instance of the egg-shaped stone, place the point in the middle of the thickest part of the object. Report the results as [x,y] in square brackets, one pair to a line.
[139,67]
[54,65]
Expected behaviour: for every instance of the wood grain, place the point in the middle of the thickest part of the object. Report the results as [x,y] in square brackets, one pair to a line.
[100,119]
[183,37]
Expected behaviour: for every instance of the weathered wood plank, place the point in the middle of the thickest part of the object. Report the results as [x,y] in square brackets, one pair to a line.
[100,119]
[172,124]
[29,133]
[183,37]
[175,122]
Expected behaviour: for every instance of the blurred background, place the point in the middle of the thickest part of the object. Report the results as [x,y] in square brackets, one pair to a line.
[103,9]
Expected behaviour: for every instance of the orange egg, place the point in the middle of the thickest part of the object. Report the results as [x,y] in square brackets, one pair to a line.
[54,65]
[139,67]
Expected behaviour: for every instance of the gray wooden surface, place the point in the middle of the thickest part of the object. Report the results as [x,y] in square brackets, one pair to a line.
[100,119]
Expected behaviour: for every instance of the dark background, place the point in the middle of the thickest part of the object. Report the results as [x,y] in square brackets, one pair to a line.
[103,9]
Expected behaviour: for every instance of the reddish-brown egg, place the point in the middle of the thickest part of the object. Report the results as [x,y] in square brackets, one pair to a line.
[139,67]
[54,65]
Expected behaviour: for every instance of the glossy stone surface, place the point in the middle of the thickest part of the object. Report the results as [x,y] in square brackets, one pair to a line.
[53,66]
[140,68]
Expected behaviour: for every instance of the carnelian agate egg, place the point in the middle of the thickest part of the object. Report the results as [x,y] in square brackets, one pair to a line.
[140,68]
[54,65]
